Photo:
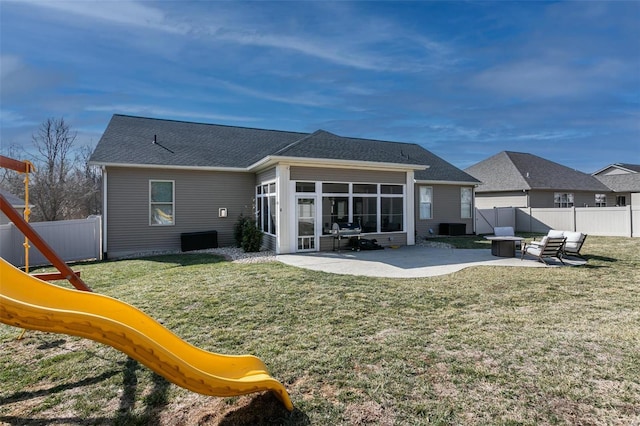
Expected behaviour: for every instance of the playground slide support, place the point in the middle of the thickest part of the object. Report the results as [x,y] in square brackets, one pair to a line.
[41,245]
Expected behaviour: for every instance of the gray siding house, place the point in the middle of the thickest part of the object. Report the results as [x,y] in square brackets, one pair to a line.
[15,201]
[516,179]
[624,180]
[163,178]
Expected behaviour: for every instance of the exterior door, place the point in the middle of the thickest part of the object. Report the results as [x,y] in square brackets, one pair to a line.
[306,224]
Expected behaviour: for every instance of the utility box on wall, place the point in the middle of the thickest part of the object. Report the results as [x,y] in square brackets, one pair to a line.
[198,240]
[452,229]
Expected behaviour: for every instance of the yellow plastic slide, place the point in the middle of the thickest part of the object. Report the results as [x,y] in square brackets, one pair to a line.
[30,303]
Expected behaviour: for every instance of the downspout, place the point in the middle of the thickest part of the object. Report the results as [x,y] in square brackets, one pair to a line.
[104,212]
[473,209]
[410,217]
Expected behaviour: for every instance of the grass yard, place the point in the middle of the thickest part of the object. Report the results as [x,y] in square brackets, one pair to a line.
[486,345]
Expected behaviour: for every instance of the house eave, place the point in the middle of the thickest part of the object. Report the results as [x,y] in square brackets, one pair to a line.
[169,167]
[271,161]
[445,182]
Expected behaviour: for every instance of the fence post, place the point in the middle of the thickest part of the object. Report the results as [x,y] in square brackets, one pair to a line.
[573,219]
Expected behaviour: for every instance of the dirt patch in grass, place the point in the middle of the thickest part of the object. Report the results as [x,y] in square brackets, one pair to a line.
[369,413]
[259,409]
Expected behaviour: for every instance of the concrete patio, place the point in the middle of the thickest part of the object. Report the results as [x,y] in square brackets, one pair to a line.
[410,261]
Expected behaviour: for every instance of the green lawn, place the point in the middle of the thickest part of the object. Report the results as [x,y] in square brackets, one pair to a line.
[486,345]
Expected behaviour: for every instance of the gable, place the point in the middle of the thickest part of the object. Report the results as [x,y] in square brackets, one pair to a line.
[513,171]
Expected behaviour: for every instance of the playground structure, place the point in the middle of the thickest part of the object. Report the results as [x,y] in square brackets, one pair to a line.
[29,302]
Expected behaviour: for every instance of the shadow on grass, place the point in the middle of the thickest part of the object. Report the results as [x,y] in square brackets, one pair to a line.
[186,259]
[600,258]
[154,402]
[263,409]
[24,395]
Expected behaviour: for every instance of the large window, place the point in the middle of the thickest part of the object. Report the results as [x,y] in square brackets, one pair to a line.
[621,200]
[601,200]
[365,213]
[426,202]
[374,207]
[466,202]
[391,214]
[563,199]
[266,207]
[161,202]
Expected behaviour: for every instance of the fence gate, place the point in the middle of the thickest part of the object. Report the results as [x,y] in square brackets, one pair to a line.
[487,219]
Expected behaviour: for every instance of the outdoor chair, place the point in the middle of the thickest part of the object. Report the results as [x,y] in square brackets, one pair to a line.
[574,243]
[548,247]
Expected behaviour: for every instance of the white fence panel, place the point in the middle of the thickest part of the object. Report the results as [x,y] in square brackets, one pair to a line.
[10,244]
[605,221]
[487,219]
[609,221]
[72,240]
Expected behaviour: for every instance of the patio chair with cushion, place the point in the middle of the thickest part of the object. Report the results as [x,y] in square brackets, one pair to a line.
[548,247]
[574,243]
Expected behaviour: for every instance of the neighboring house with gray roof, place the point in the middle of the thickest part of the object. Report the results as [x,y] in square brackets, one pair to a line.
[624,180]
[163,178]
[516,179]
[15,201]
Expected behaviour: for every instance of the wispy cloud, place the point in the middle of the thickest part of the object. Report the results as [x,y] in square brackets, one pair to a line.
[304,97]
[122,12]
[380,45]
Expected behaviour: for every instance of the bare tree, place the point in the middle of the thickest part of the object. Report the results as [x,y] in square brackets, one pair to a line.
[64,185]
[51,191]
[9,179]
[87,186]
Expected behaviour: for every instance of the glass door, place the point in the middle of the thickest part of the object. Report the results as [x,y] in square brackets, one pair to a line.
[306,223]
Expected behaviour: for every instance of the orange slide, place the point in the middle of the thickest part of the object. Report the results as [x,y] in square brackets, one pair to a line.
[30,303]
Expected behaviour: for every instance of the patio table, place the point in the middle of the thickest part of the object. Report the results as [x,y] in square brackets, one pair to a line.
[503,246]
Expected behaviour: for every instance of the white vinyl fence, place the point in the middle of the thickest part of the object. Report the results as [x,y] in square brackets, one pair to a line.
[487,219]
[604,221]
[72,240]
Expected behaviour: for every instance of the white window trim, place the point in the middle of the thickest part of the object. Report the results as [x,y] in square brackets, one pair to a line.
[567,202]
[173,202]
[420,203]
[462,189]
[350,195]
[262,198]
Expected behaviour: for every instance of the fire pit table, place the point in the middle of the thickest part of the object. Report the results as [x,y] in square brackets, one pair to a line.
[503,246]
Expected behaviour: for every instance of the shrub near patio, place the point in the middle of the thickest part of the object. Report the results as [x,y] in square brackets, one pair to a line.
[486,345]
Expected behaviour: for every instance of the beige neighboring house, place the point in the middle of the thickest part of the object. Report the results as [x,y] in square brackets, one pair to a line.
[165,178]
[517,179]
[624,180]
[15,201]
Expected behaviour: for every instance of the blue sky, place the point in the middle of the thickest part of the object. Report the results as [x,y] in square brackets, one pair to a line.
[465,80]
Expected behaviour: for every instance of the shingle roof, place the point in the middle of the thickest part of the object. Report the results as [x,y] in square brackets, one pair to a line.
[129,141]
[619,168]
[516,171]
[14,200]
[629,182]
